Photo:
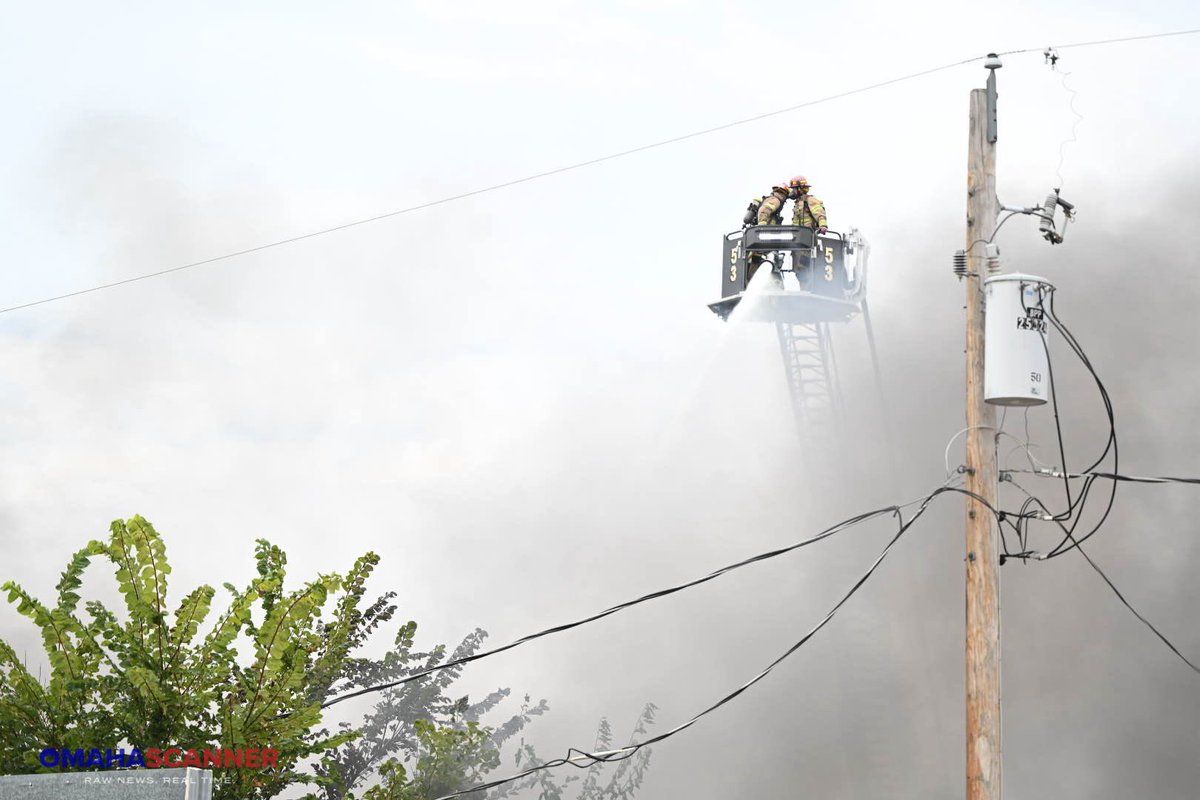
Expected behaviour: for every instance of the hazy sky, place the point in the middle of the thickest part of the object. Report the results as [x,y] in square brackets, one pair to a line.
[520,400]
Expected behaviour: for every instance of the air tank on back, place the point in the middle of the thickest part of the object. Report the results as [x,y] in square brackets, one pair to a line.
[1015,359]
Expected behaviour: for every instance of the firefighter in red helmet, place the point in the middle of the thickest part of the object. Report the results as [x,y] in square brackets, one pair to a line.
[808,211]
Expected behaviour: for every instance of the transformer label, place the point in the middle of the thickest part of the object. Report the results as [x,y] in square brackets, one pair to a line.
[1032,323]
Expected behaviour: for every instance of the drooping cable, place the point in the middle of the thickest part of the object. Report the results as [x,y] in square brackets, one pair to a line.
[830,531]
[1111,443]
[1062,451]
[581,758]
[1074,505]
[999,429]
[1113,586]
[1135,612]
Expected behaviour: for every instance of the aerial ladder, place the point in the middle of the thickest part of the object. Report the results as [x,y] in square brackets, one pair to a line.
[826,290]
[830,275]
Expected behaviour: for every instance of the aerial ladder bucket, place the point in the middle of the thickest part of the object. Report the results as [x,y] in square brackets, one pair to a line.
[830,274]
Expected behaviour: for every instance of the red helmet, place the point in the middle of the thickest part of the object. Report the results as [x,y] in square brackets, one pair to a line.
[799,182]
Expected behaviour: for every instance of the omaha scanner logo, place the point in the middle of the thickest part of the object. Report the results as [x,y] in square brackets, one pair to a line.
[155,758]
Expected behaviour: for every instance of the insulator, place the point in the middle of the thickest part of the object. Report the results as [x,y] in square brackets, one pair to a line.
[1046,226]
[993,259]
[960,263]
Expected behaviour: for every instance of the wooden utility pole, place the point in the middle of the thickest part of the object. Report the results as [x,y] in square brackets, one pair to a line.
[982,562]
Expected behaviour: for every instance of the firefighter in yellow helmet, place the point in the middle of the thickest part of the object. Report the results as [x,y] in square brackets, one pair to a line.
[807,211]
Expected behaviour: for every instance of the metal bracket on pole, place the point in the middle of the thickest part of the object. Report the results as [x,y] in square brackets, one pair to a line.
[992,64]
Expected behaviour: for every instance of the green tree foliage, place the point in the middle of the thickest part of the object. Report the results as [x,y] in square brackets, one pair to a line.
[415,727]
[623,779]
[255,675]
[448,759]
[458,755]
[150,678]
[392,726]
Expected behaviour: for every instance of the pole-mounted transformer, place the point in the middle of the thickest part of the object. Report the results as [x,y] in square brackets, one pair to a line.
[1016,362]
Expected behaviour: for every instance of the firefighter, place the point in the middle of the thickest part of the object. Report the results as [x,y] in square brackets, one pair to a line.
[808,211]
[770,212]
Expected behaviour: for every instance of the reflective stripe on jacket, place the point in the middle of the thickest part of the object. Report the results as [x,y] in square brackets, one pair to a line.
[771,210]
[809,212]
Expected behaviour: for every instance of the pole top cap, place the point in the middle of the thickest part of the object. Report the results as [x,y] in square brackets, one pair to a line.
[992,62]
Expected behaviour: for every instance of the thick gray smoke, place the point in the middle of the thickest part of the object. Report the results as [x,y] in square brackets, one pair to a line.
[528,436]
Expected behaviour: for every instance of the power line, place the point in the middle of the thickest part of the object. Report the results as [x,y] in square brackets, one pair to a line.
[495,187]
[1101,42]
[1075,505]
[1111,442]
[830,531]
[559,170]
[1076,545]
[1135,612]
[581,758]
[1053,473]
